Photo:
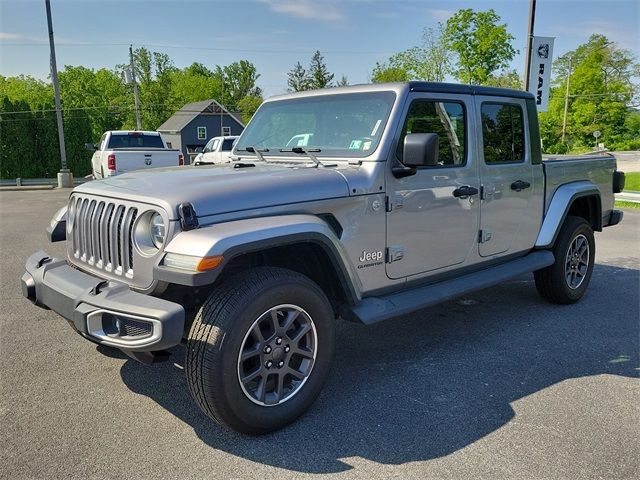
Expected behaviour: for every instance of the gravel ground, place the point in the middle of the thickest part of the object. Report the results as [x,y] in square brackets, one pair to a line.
[498,384]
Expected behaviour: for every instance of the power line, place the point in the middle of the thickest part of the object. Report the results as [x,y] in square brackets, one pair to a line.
[213,49]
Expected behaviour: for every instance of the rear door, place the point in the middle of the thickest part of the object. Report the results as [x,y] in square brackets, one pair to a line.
[509,212]
[429,226]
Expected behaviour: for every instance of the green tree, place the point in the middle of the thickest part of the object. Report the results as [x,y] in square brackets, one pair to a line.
[601,93]
[343,82]
[239,80]
[297,79]
[193,84]
[383,73]
[481,44]
[506,79]
[430,61]
[248,106]
[319,75]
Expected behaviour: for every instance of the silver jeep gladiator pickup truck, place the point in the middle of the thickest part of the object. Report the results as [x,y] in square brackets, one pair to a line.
[390,198]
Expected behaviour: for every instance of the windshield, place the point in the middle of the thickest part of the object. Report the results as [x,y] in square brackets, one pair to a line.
[344,125]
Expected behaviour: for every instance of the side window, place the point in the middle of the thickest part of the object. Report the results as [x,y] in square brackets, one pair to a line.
[207,147]
[502,133]
[227,144]
[214,145]
[102,141]
[448,120]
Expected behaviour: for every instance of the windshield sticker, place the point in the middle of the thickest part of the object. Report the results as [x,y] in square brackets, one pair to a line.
[375,128]
[355,145]
[366,145]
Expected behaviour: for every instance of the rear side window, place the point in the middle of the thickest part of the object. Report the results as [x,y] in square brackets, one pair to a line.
[502,133]
[447,119]
[227,144]
[135,140]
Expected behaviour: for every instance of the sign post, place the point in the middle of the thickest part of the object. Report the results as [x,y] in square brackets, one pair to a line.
[540,62]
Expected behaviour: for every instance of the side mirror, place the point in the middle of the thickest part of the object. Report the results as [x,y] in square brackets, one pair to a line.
[420,150]
[91,146]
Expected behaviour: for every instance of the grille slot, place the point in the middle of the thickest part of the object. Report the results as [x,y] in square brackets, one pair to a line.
[133,328]
[102,235]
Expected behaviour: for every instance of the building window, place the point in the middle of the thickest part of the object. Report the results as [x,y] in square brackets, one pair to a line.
[202,133]
[226,131]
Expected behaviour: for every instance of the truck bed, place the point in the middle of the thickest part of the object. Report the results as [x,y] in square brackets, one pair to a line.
[597,168]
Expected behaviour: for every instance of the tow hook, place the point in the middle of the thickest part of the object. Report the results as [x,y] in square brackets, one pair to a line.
[42,261]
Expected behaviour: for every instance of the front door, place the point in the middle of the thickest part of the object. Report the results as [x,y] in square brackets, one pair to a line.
[431,224]
[509,215]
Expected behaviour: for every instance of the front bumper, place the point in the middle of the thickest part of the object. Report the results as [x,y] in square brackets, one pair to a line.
[105,312]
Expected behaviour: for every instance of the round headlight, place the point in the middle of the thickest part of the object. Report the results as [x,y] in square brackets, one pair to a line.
[157,230]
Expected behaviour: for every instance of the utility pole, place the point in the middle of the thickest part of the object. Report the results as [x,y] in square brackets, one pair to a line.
[221,102]
[136,97]
[65,177]
[566,102]
[532,19]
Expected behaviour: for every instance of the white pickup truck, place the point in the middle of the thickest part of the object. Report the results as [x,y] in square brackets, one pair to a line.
[217,150]
[121,151]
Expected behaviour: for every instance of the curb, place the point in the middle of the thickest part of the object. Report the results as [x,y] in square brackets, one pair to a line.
[628,197]
[26,188]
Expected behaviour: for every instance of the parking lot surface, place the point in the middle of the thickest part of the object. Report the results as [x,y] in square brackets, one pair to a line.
[498,384]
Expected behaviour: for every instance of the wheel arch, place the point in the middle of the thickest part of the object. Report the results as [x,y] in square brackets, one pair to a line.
[303,243]
[580,199]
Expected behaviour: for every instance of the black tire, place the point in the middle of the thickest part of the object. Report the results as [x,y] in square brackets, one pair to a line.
[222,328]
[552,282]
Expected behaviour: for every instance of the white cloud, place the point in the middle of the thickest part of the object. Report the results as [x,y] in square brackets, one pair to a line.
[439,14]
[622,35]
[10,36]
[308,9]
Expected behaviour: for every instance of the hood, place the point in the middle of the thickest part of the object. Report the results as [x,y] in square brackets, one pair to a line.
[221,188]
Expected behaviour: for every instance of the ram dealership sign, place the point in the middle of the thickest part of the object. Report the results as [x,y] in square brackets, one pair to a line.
[540,70]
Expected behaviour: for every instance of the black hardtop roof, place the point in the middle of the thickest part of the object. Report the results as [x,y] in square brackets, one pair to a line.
[467,89]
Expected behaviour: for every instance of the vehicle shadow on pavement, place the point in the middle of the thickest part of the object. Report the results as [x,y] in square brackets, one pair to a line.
[428,384]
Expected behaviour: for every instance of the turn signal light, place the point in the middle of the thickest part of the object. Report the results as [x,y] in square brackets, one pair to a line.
[209,263]
[111,162]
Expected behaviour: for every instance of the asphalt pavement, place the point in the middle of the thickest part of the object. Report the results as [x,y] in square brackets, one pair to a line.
[498,384]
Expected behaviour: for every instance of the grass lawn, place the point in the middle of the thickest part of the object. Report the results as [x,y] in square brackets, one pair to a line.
[623,204]
[632,182]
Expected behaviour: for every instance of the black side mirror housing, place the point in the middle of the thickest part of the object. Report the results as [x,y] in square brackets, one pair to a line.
[91,146]
[420,150]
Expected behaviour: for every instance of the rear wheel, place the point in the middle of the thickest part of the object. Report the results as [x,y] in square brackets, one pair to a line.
[260,350]
[567,279]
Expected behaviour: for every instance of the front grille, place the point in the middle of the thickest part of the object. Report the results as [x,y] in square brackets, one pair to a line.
[102,235]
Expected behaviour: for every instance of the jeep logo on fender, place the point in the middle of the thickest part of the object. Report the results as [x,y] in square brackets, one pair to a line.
[370,256]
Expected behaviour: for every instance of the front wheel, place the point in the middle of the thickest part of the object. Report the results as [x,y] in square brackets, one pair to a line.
[567,279]
[260,350]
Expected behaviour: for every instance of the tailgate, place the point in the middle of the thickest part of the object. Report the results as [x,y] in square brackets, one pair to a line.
[127,160]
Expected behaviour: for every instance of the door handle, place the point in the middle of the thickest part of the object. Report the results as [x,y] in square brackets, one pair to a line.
[519,185]
[465,191]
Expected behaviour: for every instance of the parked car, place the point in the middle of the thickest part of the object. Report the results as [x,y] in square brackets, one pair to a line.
[412,194]
[121,151]
[217,150]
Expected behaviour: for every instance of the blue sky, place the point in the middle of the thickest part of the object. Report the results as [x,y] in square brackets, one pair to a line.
[274,34]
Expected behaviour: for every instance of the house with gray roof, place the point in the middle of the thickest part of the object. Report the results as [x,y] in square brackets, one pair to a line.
[193,125]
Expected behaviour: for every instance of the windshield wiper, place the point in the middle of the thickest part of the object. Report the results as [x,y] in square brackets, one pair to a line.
[308,152]
[255,150]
